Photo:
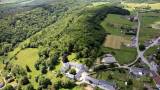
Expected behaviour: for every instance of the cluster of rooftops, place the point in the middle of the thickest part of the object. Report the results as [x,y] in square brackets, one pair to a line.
[80,69]
[83,69]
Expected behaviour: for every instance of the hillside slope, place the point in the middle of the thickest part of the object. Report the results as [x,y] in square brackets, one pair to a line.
[78,32]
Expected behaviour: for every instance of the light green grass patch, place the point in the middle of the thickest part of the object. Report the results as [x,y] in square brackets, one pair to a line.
[28,57]
[72,57]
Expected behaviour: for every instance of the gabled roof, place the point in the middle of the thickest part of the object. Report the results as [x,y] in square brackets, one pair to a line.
[108,58]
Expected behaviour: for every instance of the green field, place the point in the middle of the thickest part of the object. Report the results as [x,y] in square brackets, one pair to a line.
[117,21]
[146,32]
[121,77]
[123,55]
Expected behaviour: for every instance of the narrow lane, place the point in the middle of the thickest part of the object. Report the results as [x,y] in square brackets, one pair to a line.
[154,73]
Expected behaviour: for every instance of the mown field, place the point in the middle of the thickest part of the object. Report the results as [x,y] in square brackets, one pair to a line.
[115,42]
[133,6]
[147,32]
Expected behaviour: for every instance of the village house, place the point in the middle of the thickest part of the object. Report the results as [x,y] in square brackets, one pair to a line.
[79,70]
[151,58]
[137,72]
[149,42]
[159,41]
[101,83]
[131,31]
[133,18]
[108,59]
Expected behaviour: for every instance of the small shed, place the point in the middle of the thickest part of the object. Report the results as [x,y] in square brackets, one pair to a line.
[1,84]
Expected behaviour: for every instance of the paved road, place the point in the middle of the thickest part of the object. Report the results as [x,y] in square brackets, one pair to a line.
[156,76]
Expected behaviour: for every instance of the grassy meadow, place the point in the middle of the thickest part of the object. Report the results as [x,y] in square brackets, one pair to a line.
[146,31]
[117,21]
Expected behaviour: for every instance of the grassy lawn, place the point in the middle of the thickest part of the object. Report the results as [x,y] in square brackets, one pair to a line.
[27,57]
[121,77]
[19,47]
[147,32]
[123,55]
[72,57]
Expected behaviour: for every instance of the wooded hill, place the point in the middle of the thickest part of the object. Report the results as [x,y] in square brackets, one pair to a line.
[77,31]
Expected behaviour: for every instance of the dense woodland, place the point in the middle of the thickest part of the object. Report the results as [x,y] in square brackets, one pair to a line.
[15,28]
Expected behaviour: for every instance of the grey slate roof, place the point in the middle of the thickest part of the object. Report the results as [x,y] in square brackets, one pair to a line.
[108,59]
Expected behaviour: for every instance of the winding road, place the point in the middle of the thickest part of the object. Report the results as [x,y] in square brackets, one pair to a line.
[153,70]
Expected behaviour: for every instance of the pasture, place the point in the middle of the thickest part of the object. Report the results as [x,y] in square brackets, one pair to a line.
[112,24]
[28,57]
[146,31]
